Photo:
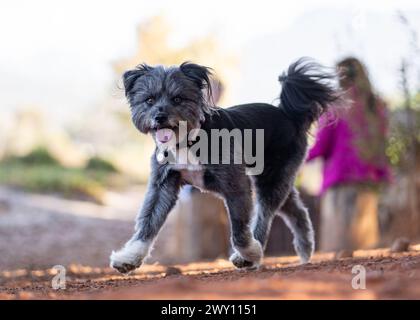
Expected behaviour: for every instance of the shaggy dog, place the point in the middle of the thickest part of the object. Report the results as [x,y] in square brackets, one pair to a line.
[173,104]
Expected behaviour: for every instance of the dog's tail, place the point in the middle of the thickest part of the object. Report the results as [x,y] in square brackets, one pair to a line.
[307,92]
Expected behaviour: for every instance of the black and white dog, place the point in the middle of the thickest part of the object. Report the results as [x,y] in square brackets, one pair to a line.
[162,98]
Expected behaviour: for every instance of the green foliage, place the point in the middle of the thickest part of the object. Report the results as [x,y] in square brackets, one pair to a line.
[70,182]
[404,136]
[38,156]
[416,100]
[395,149]
[100,164]
[39,171]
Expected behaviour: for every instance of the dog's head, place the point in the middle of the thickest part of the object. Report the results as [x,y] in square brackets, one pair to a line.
[160,98]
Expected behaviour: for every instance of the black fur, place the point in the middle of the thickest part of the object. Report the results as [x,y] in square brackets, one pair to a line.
[306,91]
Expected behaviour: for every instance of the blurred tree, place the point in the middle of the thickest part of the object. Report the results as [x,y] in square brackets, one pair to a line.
[154,47]
[29,128]
[404,144]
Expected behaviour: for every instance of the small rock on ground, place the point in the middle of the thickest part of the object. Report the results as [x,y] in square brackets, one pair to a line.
[342,254]
[400,245]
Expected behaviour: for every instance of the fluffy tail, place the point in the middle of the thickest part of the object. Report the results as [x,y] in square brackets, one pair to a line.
[306,92]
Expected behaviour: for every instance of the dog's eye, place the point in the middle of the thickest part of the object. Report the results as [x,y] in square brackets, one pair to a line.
[150,101]
[177,100]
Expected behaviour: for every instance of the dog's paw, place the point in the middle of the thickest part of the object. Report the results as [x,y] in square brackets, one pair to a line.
[304,247]
[122,267]
[240,263]
[129,258]
[248,258]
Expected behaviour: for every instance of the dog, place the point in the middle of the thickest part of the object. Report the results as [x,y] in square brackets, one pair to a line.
[161,98]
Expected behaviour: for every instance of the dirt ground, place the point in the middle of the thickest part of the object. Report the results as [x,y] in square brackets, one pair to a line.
[388,276]
[40,231]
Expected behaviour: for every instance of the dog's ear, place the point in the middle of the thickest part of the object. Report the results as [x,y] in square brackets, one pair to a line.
[130,76]
[199,74]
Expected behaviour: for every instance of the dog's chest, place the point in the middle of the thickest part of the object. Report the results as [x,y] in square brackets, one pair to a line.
[189,166]
[193,177]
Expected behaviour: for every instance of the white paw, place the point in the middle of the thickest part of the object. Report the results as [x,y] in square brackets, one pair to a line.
[249,257]
[240,263]
[129,257]
[304,258]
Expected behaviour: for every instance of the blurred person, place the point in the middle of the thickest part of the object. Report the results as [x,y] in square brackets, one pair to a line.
[352,146]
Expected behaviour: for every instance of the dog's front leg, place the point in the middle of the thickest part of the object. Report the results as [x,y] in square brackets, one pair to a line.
[248,252]
[160,198]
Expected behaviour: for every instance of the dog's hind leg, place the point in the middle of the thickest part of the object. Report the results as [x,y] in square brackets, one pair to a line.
[160,198]
[272,188]
[296,217]
[267,203]
[235,187]
[265,210]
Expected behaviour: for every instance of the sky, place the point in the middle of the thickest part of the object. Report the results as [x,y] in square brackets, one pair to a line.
[57,55]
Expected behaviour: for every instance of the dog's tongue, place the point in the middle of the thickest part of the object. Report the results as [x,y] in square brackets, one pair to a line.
[164,135]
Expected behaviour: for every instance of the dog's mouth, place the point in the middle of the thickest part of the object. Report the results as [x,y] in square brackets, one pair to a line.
[164,134]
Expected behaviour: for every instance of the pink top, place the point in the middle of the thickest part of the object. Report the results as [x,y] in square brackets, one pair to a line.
[335,143]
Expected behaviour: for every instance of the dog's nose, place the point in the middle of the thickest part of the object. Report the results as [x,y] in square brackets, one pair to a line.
[161,118]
